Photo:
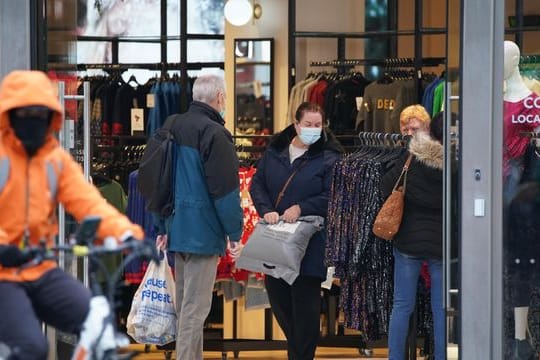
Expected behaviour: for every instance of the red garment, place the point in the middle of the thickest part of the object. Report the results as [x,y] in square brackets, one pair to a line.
[226,269]
[318,92]
[523,115]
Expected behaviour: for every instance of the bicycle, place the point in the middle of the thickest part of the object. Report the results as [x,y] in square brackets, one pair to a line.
[99,340]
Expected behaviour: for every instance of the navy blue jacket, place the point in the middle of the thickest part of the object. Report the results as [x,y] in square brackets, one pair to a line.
[207,187]
[309,188]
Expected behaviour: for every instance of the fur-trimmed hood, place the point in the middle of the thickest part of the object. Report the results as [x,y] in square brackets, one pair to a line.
[427,150]
[327,141]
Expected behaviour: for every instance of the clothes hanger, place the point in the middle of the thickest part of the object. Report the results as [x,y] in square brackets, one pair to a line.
[131,79]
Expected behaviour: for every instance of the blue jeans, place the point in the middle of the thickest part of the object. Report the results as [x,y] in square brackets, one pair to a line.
[406,273]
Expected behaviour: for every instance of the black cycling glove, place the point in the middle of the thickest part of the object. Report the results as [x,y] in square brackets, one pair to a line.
[13,256]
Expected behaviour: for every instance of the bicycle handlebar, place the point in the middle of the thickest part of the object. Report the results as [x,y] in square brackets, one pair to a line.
[138,248]
[141,248]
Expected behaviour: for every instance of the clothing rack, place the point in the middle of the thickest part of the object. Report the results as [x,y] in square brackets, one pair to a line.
[383,139]
[393,33]
[533,59]
[392,141]
[163,67]
[163,38]
[116,156]
[387,62]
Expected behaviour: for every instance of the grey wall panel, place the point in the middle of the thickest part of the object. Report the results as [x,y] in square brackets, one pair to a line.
[481,139]
[14,35]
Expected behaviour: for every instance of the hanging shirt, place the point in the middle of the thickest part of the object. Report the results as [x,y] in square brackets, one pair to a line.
[427,99]
[438,99]
[382,104]
[340,104]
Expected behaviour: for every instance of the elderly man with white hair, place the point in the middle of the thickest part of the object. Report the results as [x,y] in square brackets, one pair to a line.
[207,214]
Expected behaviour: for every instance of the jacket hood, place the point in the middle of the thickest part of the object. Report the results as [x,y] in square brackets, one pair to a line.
[28,88]
[426,150]
[327,141]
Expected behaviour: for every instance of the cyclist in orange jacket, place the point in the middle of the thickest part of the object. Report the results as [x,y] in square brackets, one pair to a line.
[36,174]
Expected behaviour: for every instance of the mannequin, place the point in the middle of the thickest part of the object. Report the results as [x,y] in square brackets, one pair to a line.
[520,114]
[516,90]
[521,108]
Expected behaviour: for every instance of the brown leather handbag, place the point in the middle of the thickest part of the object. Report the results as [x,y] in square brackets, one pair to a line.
[388,219]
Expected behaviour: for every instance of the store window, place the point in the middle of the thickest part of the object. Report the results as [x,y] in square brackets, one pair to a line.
[125,19]
[521,180]
[132,32]
[378,18]
[205,17]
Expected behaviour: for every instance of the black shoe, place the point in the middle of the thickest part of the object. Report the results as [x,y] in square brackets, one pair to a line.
[523,351]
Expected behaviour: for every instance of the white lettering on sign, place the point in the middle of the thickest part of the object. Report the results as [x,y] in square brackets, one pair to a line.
[521,119]
[531,103]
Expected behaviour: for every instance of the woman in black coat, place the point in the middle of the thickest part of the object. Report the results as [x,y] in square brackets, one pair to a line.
[419,239]
[310,151]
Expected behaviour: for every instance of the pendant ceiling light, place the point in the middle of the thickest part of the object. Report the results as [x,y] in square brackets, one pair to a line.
[238,12]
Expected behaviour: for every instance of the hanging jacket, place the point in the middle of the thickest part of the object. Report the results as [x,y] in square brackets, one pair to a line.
[308,189]
[207,187]
[31,188]
[420,233]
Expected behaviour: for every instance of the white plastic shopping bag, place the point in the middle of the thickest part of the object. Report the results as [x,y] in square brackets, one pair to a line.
[152,318]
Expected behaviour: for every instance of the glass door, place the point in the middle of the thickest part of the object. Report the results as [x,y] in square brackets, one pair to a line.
[499,189]
[451,176]
[521,180]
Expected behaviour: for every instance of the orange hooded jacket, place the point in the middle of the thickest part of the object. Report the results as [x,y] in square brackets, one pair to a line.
[27,202]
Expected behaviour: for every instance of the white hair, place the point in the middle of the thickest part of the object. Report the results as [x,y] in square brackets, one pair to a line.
[207,87]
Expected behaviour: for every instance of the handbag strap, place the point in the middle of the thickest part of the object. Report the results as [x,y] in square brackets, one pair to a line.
[282,192]
[403,174]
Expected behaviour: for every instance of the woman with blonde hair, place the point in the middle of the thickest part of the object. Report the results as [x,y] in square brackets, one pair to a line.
[419,238]
[414,118]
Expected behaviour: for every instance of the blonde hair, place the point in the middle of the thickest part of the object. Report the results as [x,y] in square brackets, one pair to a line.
[414,111]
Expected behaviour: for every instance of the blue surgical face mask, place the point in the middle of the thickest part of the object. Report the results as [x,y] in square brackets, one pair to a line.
[310,135]
[222,114]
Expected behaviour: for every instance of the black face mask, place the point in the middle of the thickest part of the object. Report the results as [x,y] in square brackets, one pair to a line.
[31,127]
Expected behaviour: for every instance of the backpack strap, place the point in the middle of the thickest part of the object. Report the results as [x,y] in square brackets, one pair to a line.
[170,123]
